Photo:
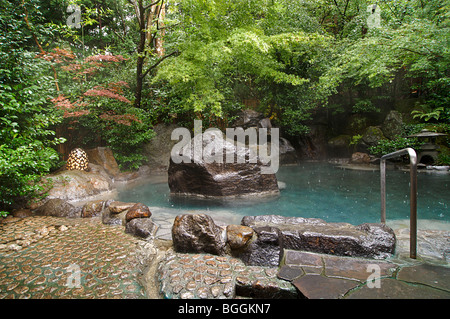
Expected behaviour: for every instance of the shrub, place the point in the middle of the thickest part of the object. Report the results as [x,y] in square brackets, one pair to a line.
[386,146]
[26,139]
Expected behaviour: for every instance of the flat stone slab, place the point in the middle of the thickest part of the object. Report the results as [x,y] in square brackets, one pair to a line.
[431,244]
[396,289]
[290,273]
[357,269]
[315,235]
[321,287]
[318,276]
[426,274]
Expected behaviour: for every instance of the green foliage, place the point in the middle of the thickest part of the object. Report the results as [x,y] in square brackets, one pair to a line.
[236,54]
[26,116]
[412,39]
[126,139]
[443,156]
[364,105]
[355,139]
[386,146]
[426,116]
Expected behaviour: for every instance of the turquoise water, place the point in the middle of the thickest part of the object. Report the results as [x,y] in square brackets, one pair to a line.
[318,190]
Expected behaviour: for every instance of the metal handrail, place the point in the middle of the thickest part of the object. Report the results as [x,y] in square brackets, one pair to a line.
[413,195]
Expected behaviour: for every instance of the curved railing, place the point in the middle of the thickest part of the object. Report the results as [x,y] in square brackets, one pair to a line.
[413,195]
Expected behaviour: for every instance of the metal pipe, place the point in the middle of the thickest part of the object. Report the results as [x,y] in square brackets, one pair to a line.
[383,190]
[413,195]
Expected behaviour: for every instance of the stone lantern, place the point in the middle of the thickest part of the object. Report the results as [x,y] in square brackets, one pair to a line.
[428,152]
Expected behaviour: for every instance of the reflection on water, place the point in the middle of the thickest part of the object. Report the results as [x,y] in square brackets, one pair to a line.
[316,190]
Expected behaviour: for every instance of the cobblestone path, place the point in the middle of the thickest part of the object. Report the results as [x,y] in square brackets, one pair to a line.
[36,255]
[204,276]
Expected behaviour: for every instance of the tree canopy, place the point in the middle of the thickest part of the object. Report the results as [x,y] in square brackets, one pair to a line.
[132,64]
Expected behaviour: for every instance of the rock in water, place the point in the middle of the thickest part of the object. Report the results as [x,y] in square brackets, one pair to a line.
[197,234]
[211,177]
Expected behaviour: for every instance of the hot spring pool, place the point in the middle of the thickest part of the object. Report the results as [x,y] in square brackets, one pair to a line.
[316,190]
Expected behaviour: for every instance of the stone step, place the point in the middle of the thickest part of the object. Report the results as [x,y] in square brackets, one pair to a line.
[318,276]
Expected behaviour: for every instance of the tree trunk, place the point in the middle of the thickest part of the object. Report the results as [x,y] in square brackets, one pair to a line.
[140,13]
[146,15]
[139,68]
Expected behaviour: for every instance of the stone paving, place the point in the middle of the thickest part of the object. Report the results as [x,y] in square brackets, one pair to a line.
[36,255]
[205,276]
[300,275]
[318,276]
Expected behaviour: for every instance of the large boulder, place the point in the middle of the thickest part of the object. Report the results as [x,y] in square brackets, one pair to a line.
[393,125]
[315,235]
[157,150]
[76,184]
[197,233]
[199,175]
[371,137]
[250,118]
[59,208]
[104,157]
